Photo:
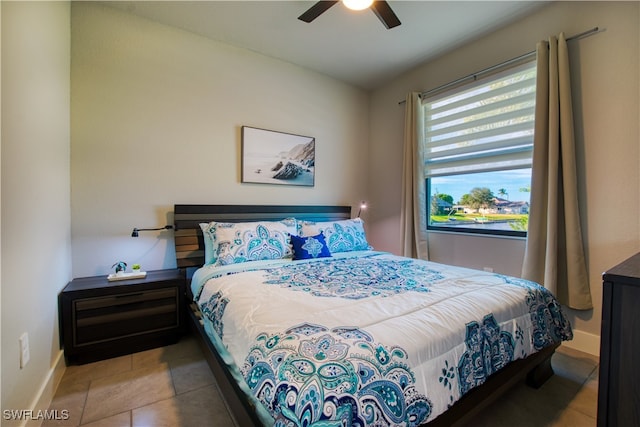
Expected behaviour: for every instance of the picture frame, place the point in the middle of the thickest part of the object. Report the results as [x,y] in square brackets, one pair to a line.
[272,157]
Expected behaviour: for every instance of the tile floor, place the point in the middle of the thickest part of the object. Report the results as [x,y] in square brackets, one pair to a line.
[172,386]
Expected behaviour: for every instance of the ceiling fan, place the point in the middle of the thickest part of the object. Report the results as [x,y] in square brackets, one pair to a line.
[381,8]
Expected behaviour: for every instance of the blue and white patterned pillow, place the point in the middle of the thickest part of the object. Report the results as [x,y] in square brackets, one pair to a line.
[341,236]
[254,241]
[309,247]
[210,242]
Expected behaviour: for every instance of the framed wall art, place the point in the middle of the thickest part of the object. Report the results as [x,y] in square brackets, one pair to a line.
[270,157]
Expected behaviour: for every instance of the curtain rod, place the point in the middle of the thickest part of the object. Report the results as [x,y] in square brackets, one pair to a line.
[475,75]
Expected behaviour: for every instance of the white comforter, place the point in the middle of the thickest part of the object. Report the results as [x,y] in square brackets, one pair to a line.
[369,338]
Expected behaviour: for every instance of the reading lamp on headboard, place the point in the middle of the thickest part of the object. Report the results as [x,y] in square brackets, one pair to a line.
[135,231]
[363,206]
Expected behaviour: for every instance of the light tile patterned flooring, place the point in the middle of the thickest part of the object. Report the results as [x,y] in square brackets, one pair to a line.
[172,386]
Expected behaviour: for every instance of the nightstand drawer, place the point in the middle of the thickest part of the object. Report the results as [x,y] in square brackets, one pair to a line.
[104,318]
[122,299]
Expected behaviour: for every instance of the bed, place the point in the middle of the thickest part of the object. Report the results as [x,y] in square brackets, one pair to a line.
[304,323]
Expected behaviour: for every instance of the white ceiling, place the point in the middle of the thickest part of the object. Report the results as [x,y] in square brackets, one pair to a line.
[350,46]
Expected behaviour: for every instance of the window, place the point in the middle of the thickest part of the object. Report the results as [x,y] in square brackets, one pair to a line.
[478,151]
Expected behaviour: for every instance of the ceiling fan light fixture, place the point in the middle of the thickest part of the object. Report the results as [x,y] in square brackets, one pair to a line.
[357,4]
[380,8]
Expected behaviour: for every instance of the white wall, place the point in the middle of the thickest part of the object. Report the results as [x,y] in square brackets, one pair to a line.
[605,81]
[35,229]
[156,116]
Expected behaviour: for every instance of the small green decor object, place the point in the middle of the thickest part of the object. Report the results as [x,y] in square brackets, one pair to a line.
[135,267]
[120,266]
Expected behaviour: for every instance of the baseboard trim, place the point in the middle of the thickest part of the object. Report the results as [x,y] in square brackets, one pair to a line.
[584,342]
[42,400]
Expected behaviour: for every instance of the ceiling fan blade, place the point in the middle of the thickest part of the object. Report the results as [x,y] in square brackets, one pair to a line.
[385,14]
[316,10]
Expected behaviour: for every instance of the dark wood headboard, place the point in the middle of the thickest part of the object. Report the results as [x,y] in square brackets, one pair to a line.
[189,242]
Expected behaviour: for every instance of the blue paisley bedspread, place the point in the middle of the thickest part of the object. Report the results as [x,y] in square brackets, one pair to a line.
[369,338]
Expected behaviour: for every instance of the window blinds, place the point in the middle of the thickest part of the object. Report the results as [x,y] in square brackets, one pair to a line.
[485,126]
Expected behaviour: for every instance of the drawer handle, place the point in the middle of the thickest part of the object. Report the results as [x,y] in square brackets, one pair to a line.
[129,295]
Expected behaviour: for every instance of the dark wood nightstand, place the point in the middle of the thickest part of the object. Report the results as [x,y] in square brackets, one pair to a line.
[102,319]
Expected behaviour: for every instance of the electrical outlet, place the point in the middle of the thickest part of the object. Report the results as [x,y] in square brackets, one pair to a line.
[24,350]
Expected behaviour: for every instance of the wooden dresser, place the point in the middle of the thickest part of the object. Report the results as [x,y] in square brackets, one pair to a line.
[619,382]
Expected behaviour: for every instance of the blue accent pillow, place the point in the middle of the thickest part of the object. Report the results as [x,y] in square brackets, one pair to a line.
[309,247]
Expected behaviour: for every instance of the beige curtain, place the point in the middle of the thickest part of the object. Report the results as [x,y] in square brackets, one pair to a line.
[554,253]
[413,211]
